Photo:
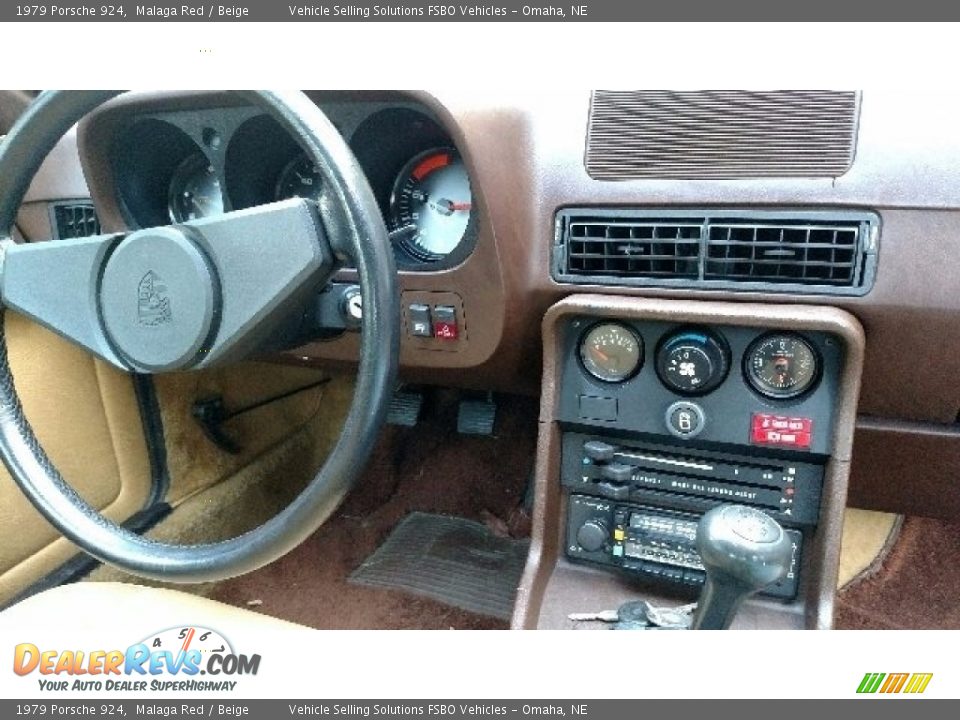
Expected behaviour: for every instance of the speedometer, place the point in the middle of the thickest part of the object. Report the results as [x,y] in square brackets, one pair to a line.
[299,178]
[431,204]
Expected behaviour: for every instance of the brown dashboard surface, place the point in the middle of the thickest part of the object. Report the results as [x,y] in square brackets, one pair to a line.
[525,154]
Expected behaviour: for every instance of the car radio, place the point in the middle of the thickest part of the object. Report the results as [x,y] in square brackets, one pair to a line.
[635,506]
[651,542]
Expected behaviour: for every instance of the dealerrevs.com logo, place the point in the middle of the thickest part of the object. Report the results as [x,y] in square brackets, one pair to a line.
[894,683]
[174,659]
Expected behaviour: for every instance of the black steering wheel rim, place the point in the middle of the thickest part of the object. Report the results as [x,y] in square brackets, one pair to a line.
[355,230]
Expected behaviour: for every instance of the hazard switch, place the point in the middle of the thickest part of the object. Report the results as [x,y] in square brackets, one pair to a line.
[445,322]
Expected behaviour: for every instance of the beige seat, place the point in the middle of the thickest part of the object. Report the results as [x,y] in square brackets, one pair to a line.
[114,613]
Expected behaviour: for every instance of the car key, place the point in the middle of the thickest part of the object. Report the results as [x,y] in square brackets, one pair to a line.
[634,612]
[607,616]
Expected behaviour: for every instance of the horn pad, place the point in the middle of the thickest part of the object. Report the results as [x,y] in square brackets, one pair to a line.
[159,300]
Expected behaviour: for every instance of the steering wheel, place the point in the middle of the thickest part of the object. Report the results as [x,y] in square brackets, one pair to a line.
[190,296]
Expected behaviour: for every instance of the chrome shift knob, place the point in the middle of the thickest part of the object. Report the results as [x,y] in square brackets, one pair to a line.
[743,551]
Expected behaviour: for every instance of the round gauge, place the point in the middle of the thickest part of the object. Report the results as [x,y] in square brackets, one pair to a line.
[692,362]
[432,201]
[299,178]
[184,639]
[195,190]
[611,352]
[781,366]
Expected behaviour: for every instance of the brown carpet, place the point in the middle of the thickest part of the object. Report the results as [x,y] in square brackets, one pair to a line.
[916,587]
[429,468]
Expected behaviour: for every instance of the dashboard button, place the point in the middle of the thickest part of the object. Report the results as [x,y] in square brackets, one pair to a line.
[445,322]
[792,432]
[685,419]
[420,323]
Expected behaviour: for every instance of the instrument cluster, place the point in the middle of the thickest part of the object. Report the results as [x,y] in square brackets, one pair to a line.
[178,166]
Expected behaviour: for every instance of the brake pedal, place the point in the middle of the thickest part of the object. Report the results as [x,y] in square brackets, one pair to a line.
[476,417]
[405,408]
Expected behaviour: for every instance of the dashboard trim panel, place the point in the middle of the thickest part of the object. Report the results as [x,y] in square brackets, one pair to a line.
[549,584]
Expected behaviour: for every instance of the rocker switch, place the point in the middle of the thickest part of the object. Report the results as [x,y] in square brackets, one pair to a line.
[445,322]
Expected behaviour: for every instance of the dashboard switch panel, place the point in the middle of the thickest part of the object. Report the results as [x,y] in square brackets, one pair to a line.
[434,320]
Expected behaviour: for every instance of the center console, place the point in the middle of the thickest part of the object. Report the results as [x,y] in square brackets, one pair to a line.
[655,412]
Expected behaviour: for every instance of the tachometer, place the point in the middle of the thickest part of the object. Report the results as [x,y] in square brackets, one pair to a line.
[299,178]
[195,190]
[431,202]
[781,366]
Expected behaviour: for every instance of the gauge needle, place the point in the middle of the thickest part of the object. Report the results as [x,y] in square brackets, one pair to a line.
[601,354]
[455,206]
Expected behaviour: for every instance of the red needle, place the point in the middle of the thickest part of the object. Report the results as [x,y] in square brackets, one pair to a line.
[600,353]
[186,642]
[454,206]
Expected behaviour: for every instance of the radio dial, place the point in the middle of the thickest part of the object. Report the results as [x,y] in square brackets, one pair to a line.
[592,535]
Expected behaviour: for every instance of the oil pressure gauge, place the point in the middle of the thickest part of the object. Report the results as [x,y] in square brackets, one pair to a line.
[611,352]
[781,366]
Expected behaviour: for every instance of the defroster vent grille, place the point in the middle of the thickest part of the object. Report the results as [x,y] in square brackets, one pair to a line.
[720,134]
[802,251]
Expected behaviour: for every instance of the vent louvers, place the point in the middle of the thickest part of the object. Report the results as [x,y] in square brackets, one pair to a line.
[75,220]
[668,249]
[736,250]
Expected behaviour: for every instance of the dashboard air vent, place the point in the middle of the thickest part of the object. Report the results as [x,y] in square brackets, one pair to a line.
[75,220]
[825,253]
[628,248]
[801,252]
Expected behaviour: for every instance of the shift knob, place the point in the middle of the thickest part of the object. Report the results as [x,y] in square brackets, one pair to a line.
[743,551]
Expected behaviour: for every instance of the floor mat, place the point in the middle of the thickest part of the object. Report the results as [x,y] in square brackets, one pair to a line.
[455,561]
[914,588]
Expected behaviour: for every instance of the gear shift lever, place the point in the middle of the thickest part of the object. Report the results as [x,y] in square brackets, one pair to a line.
[743,551]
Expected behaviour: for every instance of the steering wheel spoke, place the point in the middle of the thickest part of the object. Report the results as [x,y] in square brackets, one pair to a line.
[188,296]
[269,259]
[54,284]
[174,298]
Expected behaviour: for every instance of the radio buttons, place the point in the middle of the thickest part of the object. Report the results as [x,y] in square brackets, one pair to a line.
[685,419]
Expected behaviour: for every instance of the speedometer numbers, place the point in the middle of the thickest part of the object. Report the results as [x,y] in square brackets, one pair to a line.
[299,178]
[430,205]
[781,366]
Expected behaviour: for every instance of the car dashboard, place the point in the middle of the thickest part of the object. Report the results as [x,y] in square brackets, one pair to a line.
[758,283]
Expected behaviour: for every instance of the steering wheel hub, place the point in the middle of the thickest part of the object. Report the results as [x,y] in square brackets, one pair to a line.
[159,299]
